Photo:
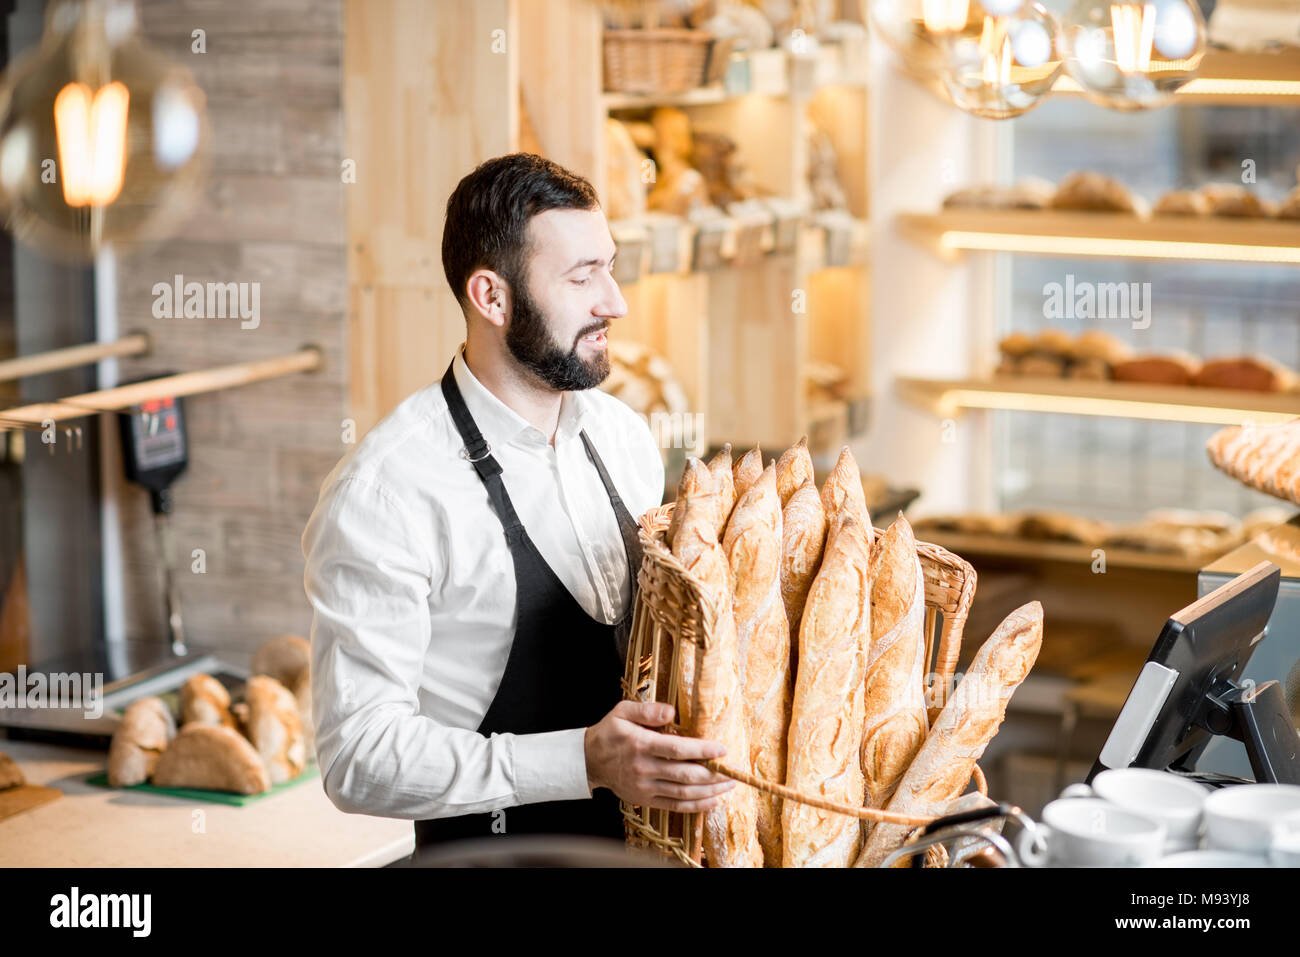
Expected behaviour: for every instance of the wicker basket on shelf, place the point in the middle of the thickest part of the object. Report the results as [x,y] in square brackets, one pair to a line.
[672,608]
[655,59]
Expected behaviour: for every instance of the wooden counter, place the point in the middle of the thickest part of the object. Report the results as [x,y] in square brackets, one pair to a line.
[96,827]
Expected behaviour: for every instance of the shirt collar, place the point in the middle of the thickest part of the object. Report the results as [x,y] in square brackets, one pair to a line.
[501,424]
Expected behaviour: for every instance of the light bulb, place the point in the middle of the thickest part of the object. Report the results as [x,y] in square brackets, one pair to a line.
[1132,54]
[914,29]
[101,139]
[1003,66]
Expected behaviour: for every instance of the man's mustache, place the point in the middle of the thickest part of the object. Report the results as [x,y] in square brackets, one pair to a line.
[598,327]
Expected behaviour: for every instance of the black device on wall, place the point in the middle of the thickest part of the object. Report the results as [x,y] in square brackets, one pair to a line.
[1191,689]
[155,452]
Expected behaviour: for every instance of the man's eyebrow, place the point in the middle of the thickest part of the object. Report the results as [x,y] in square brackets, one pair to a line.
[589,262]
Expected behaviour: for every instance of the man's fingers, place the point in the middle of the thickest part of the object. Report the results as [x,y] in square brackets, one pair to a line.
[686,772]
[649,713]
[690,792]
[677,747]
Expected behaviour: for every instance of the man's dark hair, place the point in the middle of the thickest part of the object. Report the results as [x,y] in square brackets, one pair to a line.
[488,214]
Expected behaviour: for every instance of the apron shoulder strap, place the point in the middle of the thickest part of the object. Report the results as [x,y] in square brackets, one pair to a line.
[479,454]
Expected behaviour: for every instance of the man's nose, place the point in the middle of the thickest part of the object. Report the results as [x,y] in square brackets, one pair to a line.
[613,305]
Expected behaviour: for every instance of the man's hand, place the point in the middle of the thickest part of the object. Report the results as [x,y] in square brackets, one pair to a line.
[648,767]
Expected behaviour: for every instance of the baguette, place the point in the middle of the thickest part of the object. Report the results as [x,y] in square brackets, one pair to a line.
[895,722]
[147,726]
[214,757]
[753,548]
[803,536]
[844,485]
[696,483]
[696,477]
[718,712]
[942,768]
[826,720]
[725,487]
[793,468]
[747,471]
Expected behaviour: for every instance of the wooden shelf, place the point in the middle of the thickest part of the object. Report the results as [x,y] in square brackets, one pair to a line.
[1110,235]
[948,397]
[1233,79]
[1069,552]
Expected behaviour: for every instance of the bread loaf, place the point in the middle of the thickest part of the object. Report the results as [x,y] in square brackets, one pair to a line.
[826,719]
[1265,457]
[895,723]
[747,471]
[1095,192]
[212,757]
[1234,200]
[1182,202]
[1174,369]
[724,486]
[730,828]
[844,485]
[1251,373]
[793,468]
[753,547]
[803,537]
[274,728]
[942,768]
[205,700]
[147,726]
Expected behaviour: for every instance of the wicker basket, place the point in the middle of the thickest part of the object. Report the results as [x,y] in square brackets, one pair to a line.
[672,608]
[656,59]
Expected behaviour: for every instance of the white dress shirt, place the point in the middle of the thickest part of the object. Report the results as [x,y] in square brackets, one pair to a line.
[413,590]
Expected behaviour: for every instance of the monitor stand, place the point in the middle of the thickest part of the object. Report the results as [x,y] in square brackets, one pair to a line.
[1257,716]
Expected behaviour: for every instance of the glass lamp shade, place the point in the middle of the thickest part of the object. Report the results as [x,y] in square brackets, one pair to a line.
[1001,67]
[101,139]
[915,29]
[1132,54]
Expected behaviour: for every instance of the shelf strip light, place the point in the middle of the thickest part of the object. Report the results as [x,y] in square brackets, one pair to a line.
[957,239]
[954,399]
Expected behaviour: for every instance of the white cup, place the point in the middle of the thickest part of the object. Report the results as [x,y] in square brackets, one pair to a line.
[1211,859]
[1285,848]
[1242,817]
[1090,832]
[1165,797]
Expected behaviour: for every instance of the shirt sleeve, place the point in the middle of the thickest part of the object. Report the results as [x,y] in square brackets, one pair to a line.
[368,578]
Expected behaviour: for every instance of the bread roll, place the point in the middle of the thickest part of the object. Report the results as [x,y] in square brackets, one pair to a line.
[1016,345]
[942,768]
[1096,344]
[205,700]
[803,537]
[792,469]
[826,719]
[213,757]
[147,726]
[11,776]
[1234,200]
[895,722]
[724,485]
[747,471]
[1094,192]
[730,828]
[274,728]
[844,485]
[287,659]
[1182,202]
[753,547]
[696,479]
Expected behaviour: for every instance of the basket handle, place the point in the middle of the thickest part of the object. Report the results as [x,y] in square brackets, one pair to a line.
[861,813]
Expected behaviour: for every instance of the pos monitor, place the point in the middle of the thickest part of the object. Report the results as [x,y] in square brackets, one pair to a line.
[1191,689]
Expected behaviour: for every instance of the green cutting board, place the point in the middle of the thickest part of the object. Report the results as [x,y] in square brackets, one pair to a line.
[100,780]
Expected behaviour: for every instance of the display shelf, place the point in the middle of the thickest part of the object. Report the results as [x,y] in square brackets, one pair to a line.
[1068,552]
[1233,79]
[1110,235]
[948,397]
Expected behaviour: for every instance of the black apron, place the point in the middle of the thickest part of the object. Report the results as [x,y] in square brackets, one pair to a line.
[565,668]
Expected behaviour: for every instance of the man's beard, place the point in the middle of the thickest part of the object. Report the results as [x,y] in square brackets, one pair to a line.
[529,340]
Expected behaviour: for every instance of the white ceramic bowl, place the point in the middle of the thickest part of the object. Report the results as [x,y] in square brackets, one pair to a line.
[1242,817]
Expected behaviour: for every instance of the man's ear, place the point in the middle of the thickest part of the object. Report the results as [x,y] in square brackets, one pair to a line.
[489,296]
